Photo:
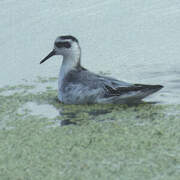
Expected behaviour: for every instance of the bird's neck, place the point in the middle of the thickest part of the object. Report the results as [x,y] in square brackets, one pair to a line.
[70,62]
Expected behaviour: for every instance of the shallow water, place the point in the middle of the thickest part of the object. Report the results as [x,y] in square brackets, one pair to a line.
[135,41]
[100,140]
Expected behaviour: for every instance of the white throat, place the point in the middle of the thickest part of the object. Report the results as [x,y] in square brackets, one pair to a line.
[70,61]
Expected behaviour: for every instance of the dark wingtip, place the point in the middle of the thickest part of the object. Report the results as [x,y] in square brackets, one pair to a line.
[159,86]
[156,87]
[150,87]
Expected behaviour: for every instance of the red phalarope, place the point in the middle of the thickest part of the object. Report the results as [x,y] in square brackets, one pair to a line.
[77,85]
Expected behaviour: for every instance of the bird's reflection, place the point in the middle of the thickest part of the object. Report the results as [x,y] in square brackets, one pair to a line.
[80,114]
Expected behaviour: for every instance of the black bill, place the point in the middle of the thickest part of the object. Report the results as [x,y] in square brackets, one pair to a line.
[52,53]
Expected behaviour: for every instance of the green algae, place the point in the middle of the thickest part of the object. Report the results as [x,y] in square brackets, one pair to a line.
[45,79]
[100,141]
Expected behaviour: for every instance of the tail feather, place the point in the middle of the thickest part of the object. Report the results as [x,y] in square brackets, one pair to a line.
[132,93]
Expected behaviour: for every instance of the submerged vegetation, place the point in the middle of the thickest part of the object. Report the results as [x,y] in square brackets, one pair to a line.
[85,142]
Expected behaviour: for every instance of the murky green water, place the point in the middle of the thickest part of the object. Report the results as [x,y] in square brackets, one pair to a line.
[43,139]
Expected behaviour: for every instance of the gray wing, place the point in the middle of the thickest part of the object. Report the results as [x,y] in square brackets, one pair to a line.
[82,86]
[93,81]
[107,86]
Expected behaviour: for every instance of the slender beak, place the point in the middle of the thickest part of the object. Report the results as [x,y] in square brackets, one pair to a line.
[52,53]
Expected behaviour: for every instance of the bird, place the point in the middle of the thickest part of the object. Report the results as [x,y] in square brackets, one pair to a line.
[77,85]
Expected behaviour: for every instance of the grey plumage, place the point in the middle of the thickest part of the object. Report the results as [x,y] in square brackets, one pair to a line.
[77,85]
[81,86]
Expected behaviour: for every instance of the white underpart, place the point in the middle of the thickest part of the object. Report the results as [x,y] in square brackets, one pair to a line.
[70,60]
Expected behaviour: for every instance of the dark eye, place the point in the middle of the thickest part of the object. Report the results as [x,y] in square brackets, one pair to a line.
[63,44]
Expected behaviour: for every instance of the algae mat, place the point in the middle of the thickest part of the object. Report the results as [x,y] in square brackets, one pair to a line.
[85,142]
